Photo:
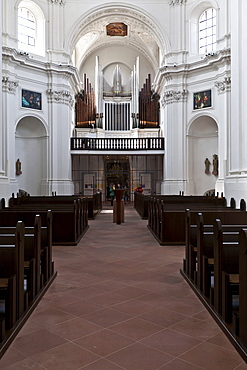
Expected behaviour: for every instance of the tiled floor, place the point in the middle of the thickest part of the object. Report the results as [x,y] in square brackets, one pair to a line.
[119,302]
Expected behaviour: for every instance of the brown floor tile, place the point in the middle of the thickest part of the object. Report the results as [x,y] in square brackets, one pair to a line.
[104,342]
[10,357]
[39,341]
[199,329]
[178,364]
[163,317]
[133,307]
[48,316]
[73,329]
[210,356]
[171,342]
[106,317]
[138,356]
[102,364]
[136,328]
[68,356]
[28,363]
[80,308]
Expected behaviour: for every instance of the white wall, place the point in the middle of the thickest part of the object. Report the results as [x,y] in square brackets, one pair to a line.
[112,55]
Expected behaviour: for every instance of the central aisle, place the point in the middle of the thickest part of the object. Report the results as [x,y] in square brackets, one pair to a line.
[119,302]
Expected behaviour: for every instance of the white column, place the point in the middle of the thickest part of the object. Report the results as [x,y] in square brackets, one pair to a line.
[56,28]
[177,31]
[236,180]
[2,138]
[60,111]
[174,176]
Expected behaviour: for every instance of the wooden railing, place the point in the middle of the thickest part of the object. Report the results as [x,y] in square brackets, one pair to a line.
[83,143]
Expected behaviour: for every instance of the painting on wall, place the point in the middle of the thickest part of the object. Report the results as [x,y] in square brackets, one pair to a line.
[116,29]
[202,99]
[30,99]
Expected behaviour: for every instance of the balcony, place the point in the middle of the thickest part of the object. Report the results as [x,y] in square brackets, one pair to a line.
[118,144]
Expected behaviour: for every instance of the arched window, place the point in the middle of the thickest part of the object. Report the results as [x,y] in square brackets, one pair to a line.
[31,28]
[26,27]
[207,31]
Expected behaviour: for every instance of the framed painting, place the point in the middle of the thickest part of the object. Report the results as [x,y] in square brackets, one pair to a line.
[202,99]
[116,29]
[31,99]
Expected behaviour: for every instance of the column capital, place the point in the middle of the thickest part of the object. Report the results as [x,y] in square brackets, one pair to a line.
[58,2]
[9,85]
[177,2]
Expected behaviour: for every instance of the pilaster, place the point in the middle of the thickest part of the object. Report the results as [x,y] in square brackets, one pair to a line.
[56,28]
[236,179]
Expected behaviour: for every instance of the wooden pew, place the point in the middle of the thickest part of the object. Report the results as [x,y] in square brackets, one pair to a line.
[32,254]
[12,275]
[64,222]
[166,215]
[243,287]
[231,262]
[228,216]
[44,235]
[206,250]
[226,260]
[143,203]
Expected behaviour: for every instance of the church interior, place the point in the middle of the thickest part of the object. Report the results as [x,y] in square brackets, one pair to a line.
[102,98]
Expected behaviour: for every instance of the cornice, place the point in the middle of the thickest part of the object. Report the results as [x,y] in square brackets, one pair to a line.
[212,61]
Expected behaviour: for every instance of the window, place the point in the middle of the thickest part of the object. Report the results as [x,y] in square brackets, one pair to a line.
[207,31]
[26,27]
[31,28]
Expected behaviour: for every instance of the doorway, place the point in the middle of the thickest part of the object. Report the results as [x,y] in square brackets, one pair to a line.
[117,171]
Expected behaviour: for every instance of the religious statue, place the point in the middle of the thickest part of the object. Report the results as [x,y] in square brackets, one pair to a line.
[215,164]
[207,165]
[18,167]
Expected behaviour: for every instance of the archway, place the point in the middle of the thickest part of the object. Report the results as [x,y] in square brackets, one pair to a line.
[31,150]
[202,146]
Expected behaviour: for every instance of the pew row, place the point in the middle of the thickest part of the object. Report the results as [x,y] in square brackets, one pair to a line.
[94,202]
[25,274]
[227,303]
[12,276]
[168,222]
[70,221]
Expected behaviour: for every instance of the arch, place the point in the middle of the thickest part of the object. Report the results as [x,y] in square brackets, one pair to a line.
[194,16]
[38,119]
[202,145]
[39,47]
[101,15]
[31,148]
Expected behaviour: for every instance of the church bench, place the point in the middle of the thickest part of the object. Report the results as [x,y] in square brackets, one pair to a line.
[172,228]
[242,314]
[64,222]
[12,275]
[226,260]
[44,206]
[144,203]
[44,230]
[205,250]
[93,203]
[29,264]
[36,254]
[162,228]
[228,216]
[79,206]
